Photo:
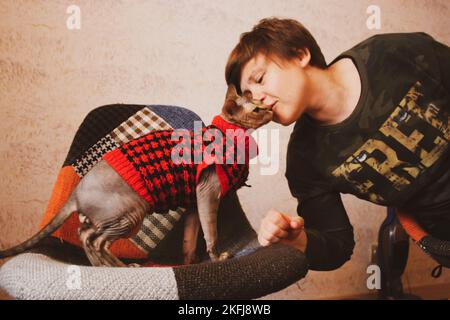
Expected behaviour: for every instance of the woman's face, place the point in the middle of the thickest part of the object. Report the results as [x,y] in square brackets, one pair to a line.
[279,84]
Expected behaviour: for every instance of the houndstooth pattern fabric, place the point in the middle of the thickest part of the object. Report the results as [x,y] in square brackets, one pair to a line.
[94,154]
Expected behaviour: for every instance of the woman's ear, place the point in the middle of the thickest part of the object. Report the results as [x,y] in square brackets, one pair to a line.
[230,107]
[304,56]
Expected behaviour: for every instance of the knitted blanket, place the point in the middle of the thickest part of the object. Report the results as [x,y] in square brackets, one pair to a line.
[251,272]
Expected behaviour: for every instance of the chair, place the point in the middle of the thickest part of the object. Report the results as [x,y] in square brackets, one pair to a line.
[393,247]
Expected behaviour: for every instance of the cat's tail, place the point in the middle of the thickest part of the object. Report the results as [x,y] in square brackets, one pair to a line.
[66,211]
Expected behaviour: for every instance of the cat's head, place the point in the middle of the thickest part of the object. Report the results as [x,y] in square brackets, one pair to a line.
[244,111]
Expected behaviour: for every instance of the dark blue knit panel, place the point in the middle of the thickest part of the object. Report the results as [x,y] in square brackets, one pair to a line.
[177,117]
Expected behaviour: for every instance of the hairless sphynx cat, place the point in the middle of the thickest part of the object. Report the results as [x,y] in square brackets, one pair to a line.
[109,208]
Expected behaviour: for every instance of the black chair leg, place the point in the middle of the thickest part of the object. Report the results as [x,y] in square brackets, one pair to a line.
[392,256]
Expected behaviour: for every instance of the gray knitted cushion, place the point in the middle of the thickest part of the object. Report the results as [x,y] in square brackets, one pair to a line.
[56,270]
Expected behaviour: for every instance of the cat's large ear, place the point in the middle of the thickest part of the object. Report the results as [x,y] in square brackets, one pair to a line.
[230,107]
[231,92]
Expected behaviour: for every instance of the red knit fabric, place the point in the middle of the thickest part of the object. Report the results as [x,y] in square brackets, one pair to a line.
[239,148]
[146,164]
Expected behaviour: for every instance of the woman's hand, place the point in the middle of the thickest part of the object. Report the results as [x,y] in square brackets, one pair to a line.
[280,227]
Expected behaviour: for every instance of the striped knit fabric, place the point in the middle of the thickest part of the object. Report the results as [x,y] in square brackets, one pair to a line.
[251,273]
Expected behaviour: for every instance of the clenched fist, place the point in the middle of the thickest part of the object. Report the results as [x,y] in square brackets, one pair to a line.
[280,227]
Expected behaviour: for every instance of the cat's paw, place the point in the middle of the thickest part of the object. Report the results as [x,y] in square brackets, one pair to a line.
[134,265]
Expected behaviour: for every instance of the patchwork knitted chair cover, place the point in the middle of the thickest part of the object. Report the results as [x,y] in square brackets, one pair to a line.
[59,269]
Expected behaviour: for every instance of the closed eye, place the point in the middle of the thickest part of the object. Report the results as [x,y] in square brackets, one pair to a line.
[260,79]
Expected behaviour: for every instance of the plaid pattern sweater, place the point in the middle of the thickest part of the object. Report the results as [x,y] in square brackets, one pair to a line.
[148,166]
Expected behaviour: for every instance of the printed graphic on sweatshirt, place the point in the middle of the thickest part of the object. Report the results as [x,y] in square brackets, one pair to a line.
[411,140]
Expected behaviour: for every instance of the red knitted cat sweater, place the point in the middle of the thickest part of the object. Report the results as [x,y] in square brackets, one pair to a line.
[146,163]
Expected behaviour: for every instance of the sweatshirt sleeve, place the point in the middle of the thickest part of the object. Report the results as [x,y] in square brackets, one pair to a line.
[329,232]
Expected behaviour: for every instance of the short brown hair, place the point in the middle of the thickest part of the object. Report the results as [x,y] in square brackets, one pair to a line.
[282,38]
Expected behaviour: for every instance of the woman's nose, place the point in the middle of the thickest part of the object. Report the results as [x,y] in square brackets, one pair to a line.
[259,96]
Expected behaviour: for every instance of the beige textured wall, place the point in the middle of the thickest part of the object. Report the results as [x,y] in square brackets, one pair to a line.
[167,52]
